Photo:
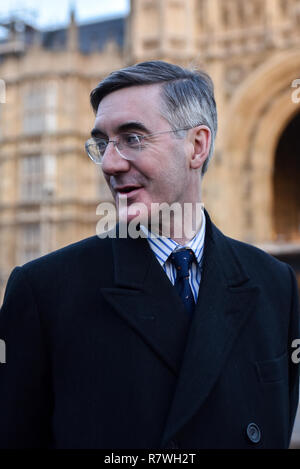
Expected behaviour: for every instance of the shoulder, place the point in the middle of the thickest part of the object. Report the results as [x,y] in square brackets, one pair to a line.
[251,259]
[260,264]
[251,253]
[67,266]
[83,251]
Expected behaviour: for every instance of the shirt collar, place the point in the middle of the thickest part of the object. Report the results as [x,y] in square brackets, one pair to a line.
[163,247]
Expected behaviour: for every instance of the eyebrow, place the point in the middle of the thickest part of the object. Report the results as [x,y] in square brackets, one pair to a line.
[127,126]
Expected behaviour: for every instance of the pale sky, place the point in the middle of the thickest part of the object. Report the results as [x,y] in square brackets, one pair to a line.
[52,13]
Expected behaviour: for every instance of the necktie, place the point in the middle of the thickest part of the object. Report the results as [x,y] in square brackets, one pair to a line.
[182,260]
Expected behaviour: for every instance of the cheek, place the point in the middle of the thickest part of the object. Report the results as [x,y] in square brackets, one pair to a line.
[165,169]
[165,187]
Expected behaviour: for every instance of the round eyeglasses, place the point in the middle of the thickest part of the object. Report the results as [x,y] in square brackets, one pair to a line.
[128,145]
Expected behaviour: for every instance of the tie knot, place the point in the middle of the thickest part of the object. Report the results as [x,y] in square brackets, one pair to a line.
[182,260]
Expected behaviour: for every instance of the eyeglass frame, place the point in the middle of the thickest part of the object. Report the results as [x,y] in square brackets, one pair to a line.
[142,137]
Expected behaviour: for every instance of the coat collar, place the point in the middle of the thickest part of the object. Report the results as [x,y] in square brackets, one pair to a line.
[133,258]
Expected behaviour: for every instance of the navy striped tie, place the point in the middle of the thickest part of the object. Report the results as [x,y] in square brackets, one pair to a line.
[182,260]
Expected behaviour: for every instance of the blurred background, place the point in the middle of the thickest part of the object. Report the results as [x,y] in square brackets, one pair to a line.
[53,53]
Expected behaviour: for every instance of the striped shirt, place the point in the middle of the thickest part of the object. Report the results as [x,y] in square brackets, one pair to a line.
[163,248]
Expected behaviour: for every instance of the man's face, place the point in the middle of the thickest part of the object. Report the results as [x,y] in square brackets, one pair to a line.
[161,171]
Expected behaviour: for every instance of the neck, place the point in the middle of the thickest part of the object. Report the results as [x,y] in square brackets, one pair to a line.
[190,225]
[180,223]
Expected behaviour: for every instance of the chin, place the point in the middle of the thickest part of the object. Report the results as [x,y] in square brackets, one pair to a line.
[136,212]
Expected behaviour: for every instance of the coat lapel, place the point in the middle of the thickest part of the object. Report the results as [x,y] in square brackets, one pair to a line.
[145,298]
[226,297]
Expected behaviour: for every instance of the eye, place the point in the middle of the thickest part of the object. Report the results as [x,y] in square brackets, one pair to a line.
[132,140]
[101,144]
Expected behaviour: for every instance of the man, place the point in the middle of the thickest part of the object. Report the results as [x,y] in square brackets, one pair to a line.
[179,341]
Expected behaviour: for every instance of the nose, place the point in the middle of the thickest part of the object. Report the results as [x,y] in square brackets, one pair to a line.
[112,162]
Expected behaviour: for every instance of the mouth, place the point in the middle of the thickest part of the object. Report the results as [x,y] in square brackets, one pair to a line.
[127,191]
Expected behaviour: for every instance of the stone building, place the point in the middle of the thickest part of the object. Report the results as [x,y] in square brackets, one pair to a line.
[49,189]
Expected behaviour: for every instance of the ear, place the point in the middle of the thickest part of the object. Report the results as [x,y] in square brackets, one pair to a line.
[201,140]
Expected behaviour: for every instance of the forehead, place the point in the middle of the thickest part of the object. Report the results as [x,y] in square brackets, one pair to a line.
[135,103]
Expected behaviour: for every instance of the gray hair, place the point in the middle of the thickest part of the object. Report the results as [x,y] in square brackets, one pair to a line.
[187,95]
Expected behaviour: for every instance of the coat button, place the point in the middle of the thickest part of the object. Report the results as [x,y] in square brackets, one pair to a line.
[253,433]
